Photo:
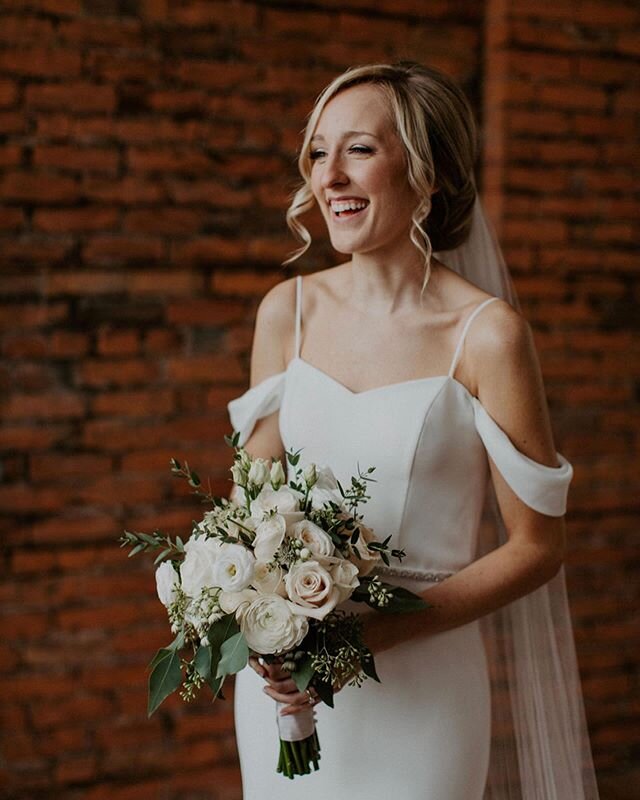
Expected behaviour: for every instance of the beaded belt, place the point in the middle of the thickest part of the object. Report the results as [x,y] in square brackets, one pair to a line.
[415,574]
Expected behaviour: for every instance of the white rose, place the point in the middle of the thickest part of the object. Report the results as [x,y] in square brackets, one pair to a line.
[317,541]
[197,569]
[283,500]
[234,567]
[259,471]
[267,579]
[311,590]
[345,577]
[236,602]
[166,579]
[277,476]
[270,626]
[368,558]
[269,537]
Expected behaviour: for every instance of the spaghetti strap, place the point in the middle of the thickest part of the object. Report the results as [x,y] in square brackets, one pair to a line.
[298,313]
[456,355]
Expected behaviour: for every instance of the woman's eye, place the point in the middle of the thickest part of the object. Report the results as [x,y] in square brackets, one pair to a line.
[314,155]
[361,149]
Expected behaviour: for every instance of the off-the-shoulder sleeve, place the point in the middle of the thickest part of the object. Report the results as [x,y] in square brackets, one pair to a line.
[257,402]
[541,487]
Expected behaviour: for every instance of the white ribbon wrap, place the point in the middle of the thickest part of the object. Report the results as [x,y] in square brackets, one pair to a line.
[295,727]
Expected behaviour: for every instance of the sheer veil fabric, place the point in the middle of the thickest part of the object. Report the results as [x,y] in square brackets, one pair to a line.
[540,745]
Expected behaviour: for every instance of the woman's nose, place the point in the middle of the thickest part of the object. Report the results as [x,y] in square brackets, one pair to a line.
[333,173]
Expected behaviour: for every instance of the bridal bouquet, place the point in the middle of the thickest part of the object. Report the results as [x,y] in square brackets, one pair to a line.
[263,573]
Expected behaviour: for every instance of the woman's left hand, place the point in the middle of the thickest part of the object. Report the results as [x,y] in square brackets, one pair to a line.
[281,687]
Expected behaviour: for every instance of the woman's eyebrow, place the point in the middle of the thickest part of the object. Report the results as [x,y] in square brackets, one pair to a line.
[345,135]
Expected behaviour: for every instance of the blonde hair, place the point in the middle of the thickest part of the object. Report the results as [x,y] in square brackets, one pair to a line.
[435,123]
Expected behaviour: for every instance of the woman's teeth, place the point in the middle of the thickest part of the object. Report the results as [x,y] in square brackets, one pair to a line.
[347,206]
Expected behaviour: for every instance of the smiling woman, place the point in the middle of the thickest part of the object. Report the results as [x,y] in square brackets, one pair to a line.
[422,373]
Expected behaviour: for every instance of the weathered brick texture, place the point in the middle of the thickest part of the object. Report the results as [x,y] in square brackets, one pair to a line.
[147,150]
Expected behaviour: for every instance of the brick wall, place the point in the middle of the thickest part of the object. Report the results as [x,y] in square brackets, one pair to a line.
[146,155]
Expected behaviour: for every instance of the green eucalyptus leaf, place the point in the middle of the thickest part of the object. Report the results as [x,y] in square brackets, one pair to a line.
[303,673]
[369,667]
[325,692]
[234,655]
[165,678]
[202,661]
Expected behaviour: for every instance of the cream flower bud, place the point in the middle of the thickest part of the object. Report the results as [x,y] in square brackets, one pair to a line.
[259,472]
[277,475]
[310,474]
[238,474]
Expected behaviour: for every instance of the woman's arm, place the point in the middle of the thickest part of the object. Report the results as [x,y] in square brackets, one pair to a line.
[272,336]
[508,382]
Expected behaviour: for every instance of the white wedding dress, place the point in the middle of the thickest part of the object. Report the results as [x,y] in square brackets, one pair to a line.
[424,732]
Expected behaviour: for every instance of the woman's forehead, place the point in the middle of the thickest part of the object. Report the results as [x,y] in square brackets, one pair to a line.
[360,109]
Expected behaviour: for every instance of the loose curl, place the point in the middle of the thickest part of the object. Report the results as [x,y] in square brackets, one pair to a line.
[435,123]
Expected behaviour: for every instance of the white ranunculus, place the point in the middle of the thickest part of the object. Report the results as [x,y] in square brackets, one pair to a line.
[259,471]
[236,602]
[237,495]
[166,579]
[283,500]
[269,537]
[197,569]
[277,476]
[270,626]
[267,579]
[317,541]
[345,577]
[311,590]
[234,568]
[369,559]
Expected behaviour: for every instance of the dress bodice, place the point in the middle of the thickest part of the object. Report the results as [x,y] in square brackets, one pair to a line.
[428,440]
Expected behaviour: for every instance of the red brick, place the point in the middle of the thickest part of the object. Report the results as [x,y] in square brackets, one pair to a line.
[92,218]
[77,159]
[61,466]
[170,160]
[134,404]
[84,283]
[207,369]
[63,529]
[41,62]
[11,218]
[113,250]
[79,97]
[252,284]
[68,344]
[39,187]
[164,221]
[114,342]
[25,437]
[122,372]
[59,405]
[205,312]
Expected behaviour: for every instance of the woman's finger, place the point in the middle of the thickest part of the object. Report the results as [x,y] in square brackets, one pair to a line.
[255,664]
[290,698]
[284,687]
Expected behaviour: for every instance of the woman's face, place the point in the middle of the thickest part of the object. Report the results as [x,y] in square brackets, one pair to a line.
[359,173]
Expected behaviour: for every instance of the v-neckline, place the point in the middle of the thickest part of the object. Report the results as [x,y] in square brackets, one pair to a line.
[375,389]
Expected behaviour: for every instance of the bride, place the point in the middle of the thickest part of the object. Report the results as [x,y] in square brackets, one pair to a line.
[424,367]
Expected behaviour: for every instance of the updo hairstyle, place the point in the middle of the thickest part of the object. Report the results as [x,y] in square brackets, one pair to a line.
[435,123]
